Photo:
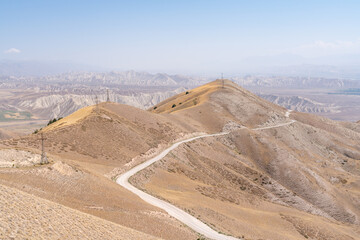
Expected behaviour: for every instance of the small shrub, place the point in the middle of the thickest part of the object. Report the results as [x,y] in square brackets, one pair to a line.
[187,92]
[155,107]
[36,131]
[50,122]
[53,120]
[174,105]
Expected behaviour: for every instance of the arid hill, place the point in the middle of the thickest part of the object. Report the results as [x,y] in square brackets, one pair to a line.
[36,218]
[275,175]
[87,149]
[211,107]
[289,182]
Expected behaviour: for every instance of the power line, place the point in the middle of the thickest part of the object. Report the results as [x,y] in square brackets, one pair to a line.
[222,79]
[44,159]
[97,104]
[108,96]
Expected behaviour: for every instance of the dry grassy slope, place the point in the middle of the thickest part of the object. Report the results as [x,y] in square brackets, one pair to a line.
[24,216]
[107,137]
[264,185]
[241,184]
[94,142]
[79,189]
[293,182]
[210,107]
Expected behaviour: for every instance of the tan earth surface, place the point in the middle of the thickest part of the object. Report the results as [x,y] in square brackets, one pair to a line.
[299,181]
[24,216]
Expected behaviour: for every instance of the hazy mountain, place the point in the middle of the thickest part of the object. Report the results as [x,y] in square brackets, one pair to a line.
[59,105]
[301,104]
[39,68]
[295,82]
[133,78]
[273,175]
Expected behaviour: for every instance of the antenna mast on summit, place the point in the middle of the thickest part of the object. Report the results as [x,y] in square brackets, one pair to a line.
[222,79]
[108,97]
[97,104]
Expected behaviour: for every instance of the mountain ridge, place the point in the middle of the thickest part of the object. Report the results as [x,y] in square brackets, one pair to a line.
[297,179]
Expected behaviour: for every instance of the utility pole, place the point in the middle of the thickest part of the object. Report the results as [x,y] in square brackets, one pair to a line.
[44,159]
[97,104]
[108,97]
[222,79]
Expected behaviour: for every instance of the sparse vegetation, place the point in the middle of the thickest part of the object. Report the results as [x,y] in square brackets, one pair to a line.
[36,131]
[187,93]
[53,120]
[174,105]
[155,107]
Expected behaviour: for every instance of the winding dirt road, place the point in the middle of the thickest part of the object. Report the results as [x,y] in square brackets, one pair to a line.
[172,210]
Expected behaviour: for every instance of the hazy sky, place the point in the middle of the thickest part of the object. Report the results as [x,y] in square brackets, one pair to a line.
[180,36]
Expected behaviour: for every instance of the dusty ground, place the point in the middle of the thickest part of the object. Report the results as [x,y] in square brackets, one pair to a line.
[17,158]
[294,182]
[79,189]
[24,216]
[83,150]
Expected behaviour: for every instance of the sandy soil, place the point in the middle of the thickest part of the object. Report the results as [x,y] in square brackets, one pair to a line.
[90,147]
[24,216]
[292,182]
[301,180]
[18,158]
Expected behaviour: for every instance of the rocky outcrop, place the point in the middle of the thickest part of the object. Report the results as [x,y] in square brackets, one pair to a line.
[301,104]
[57,105]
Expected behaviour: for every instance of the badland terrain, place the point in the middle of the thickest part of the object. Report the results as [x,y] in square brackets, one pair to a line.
[272,174]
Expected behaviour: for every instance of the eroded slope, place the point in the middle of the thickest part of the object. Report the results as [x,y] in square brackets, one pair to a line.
[290,182]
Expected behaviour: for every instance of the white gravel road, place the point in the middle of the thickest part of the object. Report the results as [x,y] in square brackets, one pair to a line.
[172,210]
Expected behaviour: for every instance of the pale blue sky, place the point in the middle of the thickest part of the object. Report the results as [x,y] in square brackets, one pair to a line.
[180,36]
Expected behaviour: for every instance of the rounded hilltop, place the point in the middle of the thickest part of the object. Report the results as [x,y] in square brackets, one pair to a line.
[189,98]
[71,119]
[213,105]
[271,161]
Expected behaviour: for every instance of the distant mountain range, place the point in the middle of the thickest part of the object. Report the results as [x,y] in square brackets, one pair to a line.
[292,67]
[301,104]
[40,68]
[133,78]
[268,174]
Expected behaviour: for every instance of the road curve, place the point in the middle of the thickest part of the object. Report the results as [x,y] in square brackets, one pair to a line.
[275,126]
[172,210]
